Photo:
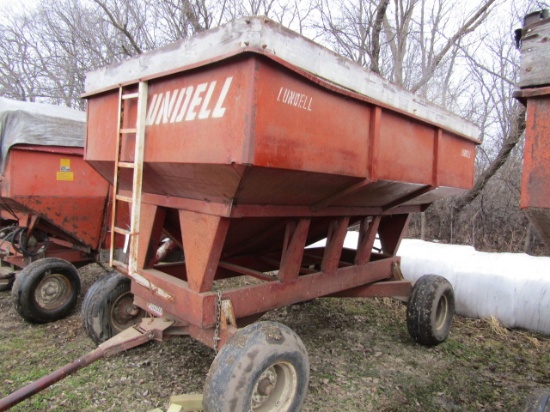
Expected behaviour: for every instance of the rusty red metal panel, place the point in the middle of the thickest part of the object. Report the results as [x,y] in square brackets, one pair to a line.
[535,182]
[412,151]
[203,240]
[392,288]
[457,159]
[335,242]
[293,249]
[301,126]
[379,194]
[252,132]
[201,117]
[243,144]
[274,186]
[60,187]
[102,121]
[197,133]
[368,229]
[406,149]
[374,146]
[536,159]
[199,308]
[437,162]
[391,230]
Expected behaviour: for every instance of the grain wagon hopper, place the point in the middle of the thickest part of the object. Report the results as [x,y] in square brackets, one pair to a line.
[242,145]
[535,94]
[52,207]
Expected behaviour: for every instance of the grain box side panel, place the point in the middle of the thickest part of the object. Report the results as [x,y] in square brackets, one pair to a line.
[406,149]
[101,132]
[305,127]
[101,126]
[201,116]
[456,162]
[535,187]
[61,188]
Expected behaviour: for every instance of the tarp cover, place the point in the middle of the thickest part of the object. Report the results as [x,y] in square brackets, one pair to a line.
[39,124]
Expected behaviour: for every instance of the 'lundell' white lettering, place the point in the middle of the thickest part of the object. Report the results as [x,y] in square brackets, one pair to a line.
[292,98]
[188,103]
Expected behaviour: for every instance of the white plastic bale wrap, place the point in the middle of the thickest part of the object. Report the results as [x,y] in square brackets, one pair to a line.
[512,287]
[39,124]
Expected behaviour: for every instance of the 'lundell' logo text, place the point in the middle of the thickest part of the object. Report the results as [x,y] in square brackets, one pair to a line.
[189,103]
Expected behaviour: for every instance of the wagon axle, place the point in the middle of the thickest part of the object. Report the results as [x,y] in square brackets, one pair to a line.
[203,145]
[268,356]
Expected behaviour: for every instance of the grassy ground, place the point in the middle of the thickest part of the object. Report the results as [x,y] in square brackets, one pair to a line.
[361,357]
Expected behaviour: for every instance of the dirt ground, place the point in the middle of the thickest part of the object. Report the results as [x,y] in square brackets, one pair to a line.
[361,357]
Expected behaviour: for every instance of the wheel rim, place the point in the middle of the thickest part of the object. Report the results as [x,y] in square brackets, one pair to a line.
[441,313]
[53,291]
[124,313]
[275,388]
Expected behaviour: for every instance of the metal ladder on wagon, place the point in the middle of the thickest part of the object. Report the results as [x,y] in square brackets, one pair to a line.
[136,166]
[108,307]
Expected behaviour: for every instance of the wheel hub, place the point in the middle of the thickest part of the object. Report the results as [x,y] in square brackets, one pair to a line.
[275,388]
[124,313]
[52,291]
[267,382]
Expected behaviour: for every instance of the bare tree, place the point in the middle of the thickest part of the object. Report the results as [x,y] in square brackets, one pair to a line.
[433,57]
[48,50]
[349,29]
[18,76]
[183,18]
[376,30]
[410,42]
[460,57]
[488,216]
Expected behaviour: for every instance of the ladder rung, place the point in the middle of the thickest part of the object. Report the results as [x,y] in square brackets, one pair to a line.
[130,96]
[127,165]
[126,199]
[133,197]
[119,264]
[122,231]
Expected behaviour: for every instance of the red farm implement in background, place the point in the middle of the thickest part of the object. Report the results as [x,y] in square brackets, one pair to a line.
[243,145]
[535,94]
[52,206]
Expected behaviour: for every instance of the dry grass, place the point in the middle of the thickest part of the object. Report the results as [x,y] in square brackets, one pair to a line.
[496,327]
[361,358]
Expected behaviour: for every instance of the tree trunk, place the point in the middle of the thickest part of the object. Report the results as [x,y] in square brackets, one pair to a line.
[516,130]
[423,225]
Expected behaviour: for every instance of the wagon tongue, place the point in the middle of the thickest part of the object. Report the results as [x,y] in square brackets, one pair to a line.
[148,329]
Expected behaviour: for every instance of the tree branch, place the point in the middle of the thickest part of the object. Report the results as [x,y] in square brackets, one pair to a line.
[376,29]
[120,27]
[466,28]
[517,129]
